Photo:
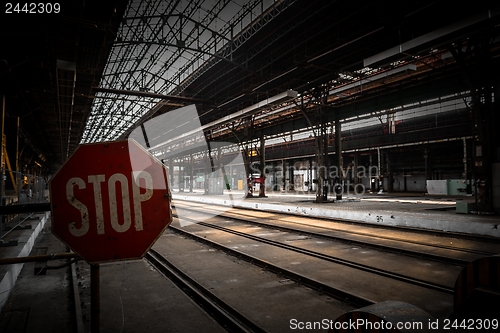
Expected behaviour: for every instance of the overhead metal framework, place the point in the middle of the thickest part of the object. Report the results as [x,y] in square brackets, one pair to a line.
[159,45]
[230,54]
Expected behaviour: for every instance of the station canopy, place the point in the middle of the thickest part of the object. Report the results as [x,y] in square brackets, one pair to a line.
[159,46]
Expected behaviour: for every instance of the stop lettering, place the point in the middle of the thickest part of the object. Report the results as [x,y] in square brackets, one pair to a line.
[110,201]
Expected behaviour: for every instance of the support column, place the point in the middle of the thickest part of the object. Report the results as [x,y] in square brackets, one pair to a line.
[262,187]
[2,163]
[339,187]
[404,180]
[476,64]
[322,151]
[191,173]
[247,158]
[2,167]
[380,184]
[320,196]
[283,176]
[247,161]
[171,172]
[290,175]
[181,175]
[230,178]
[310,176]
[207,173]
[355,169]
[390,178]
[466,175]
[221,186]
[426,165]
[371,183]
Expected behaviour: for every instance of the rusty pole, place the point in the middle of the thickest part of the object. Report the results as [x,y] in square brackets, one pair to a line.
[45,257]
[95,299]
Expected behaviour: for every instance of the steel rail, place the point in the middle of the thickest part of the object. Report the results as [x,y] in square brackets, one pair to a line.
[25,208]
[17,226]
[337,293]
[348,263]
[388,248]
[224,314]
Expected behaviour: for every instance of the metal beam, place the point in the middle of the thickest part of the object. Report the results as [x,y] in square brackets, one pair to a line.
[46,257]
[218,55]
[267,103]
[27,208]
[151,95]
[425,40]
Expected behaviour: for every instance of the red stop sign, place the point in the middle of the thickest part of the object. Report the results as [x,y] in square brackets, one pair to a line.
[110,201]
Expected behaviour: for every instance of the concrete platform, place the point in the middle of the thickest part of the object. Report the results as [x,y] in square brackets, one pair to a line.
[25,242]
[134,296]
[406,209]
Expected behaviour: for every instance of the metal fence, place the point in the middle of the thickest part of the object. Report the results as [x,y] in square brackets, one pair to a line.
[19,189]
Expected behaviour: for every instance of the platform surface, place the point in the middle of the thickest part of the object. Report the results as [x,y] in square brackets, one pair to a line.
[132,294]
[401,209]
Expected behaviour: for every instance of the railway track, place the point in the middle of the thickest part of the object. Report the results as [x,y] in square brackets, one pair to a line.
[240,224]
[239,235]
[235,225]
[225,315]
[440,250]
[345,296]
[348,263]
[267,298]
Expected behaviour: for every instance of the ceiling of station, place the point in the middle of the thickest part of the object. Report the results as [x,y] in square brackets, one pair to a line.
[51,55]
[159,46]
[98,70]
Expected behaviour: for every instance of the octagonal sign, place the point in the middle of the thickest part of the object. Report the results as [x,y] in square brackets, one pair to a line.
[110,201]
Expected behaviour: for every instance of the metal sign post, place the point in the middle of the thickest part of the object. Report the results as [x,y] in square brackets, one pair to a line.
[110,201]
[95,299]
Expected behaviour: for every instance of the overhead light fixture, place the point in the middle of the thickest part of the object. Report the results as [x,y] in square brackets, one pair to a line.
[266,103]
[431,37]
[383,75]
[230,101]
